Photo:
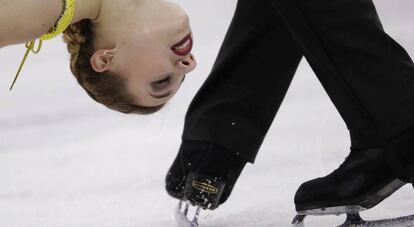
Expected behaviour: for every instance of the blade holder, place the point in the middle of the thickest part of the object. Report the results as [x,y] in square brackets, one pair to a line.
[203,190]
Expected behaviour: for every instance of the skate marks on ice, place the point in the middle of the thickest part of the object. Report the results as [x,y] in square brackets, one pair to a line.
[355,220]
[183,216]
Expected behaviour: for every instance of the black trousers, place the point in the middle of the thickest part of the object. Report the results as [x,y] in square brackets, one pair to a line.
[367,75]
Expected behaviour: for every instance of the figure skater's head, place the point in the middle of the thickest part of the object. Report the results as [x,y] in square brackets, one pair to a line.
[134,56]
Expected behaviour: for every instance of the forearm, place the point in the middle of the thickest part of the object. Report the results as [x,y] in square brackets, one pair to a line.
[22,20]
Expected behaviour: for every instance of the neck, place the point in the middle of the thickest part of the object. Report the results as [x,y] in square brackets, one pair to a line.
[87,9]
[114,17]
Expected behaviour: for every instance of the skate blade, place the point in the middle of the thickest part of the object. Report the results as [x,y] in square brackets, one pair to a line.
[299,219]
[333,210]
[355,220]
[181,215]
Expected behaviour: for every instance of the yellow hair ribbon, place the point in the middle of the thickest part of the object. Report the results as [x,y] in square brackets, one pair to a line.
[62,23]
[30,47]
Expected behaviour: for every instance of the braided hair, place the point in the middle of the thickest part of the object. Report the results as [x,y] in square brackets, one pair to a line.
[105,88]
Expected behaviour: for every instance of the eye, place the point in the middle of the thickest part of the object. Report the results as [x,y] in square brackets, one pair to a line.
[159,85]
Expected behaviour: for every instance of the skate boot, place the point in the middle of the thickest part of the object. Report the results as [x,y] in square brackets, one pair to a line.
[202,177]
[366,178]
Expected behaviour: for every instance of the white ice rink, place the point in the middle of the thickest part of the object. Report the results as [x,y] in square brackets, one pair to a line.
[66,161]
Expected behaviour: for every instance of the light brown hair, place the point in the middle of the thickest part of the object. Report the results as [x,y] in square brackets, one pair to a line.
[105,88]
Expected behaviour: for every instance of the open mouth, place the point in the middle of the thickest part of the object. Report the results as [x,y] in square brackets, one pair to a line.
[183,47]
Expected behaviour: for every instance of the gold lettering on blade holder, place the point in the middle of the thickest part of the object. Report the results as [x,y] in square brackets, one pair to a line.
[205,187]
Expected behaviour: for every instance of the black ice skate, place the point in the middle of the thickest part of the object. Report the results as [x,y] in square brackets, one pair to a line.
[360,183]
[202,177]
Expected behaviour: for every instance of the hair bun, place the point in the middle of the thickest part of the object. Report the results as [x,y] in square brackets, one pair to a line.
[74,38]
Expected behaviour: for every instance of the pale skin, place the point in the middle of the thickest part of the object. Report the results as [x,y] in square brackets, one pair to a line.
[133,39]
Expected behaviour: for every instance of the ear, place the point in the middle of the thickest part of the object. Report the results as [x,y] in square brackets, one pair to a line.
[101,60]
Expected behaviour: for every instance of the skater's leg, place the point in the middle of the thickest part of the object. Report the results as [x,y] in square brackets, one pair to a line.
[230,115]
[370,79]
[255,66]
[368,76]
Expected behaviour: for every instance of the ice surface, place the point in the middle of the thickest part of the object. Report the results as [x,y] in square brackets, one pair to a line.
[66,161]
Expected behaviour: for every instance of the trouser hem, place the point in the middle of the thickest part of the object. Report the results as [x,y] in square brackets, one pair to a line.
[239,141]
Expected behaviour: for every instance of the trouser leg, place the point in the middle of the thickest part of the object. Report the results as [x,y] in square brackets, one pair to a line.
[238,102]
[368,76]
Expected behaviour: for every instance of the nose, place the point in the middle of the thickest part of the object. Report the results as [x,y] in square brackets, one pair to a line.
[187,63]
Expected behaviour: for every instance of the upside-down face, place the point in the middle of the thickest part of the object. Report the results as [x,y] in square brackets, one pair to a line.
[151,49]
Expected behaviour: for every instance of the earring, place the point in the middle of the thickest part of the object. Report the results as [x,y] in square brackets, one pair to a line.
[109,55]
